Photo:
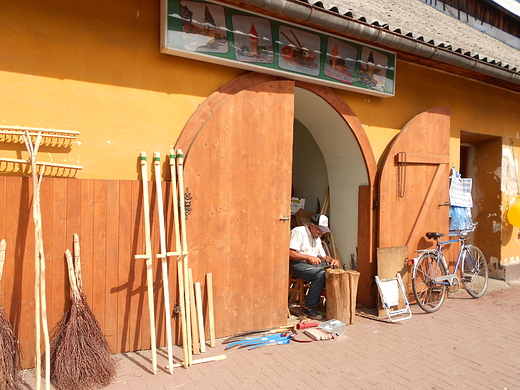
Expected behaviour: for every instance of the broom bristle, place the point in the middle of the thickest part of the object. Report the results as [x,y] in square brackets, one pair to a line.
[9,355]
[79,353]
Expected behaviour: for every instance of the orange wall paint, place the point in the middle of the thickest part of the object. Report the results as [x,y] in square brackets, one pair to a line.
[96,67]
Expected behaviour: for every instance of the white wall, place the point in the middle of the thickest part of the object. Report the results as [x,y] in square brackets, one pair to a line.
[344,163]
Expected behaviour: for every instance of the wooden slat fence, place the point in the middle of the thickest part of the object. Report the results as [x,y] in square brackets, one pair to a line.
[108,217]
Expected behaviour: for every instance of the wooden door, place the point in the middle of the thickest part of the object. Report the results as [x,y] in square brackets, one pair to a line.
[238,171]
[414,184]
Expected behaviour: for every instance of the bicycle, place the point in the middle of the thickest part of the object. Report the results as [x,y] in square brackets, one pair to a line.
[431,276]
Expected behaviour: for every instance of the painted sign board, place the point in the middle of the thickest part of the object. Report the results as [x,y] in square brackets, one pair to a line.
[221,34]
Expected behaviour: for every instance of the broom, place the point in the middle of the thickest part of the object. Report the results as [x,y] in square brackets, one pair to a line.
[79,353]
[9,346]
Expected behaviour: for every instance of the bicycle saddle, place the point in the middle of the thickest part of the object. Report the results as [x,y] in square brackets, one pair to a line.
[431,235]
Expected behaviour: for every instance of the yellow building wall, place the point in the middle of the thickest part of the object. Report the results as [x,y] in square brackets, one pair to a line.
[96,67]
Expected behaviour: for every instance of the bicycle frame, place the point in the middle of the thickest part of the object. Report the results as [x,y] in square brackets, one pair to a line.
[448,279]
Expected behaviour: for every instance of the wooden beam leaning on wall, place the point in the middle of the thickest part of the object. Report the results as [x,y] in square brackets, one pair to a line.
[148,258]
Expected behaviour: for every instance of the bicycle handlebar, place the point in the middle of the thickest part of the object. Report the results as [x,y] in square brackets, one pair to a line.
[464,232]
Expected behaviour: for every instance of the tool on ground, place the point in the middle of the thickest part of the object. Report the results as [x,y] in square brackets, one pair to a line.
[148,258]
[272,342]
[9,345]
[333,326]
[274,339]
[79,353]
[305,325]
[257,333]
[163,256]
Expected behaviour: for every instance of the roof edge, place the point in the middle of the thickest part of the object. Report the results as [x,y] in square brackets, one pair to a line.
[343,24]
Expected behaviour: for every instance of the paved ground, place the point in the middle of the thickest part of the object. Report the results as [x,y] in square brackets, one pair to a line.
[467,344]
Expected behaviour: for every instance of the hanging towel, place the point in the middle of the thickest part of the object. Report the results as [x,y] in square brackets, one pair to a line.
[460,190]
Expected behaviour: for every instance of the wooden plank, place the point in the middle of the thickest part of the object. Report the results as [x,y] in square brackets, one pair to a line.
[125,268]
[367,267]
[86,236]
[415,158]
[112,262]
[19,276]
[97,300]
[390,261]
[56,242]
[427,202]
[3,205]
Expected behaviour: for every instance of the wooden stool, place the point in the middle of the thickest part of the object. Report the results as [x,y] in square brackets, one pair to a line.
[297,287]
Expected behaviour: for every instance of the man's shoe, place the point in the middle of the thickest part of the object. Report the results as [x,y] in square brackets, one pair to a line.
[313,313]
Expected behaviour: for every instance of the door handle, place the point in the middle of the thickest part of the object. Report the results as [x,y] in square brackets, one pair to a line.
[285,218]
[445,204]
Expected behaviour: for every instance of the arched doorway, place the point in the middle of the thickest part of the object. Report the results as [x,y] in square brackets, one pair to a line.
[238,148]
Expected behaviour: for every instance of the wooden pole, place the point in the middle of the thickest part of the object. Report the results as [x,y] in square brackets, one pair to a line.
[211,314]
[208,359]
[40,292]
[182,304]
[200,317]
[148,258]
[182,218]
[164,259]
[180,279]
[193,309]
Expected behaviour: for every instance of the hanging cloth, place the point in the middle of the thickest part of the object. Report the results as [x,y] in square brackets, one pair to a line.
[460,190]
[460,203]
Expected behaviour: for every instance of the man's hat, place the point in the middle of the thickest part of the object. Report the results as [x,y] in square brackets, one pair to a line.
[321,221]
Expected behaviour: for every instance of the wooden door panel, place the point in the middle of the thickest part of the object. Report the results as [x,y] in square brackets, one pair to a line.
[414,183]
[238,171]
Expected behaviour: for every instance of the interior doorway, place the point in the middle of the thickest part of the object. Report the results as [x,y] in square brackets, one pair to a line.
[327,155]
[480,160]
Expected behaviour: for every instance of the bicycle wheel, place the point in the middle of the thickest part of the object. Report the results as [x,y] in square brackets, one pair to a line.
[428,294]
[475,272]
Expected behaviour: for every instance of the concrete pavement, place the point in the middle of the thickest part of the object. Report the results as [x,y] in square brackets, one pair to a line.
[467,344]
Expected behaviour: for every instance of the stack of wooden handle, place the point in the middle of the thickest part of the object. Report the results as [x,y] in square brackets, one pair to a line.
[191,305]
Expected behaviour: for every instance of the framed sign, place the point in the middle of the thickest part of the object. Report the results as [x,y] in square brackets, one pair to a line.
[217,33]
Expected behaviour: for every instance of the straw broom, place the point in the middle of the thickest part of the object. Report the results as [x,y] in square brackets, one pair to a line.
[79,353]
[9,346]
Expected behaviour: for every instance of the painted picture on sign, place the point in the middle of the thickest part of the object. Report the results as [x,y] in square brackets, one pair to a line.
[253,39]
[373,68]
[203,27]
[340,63]
[299,51]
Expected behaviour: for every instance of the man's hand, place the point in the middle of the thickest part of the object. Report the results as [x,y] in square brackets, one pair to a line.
[314,260]
[333,262]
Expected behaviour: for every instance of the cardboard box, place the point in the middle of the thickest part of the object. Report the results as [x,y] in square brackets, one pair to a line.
[297,204]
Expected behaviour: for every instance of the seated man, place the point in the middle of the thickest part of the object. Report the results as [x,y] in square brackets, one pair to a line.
[308,260]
